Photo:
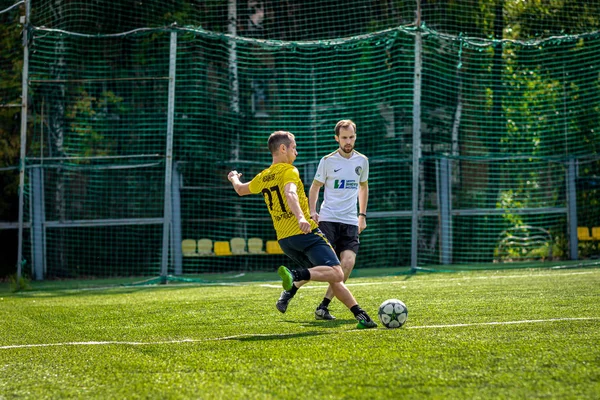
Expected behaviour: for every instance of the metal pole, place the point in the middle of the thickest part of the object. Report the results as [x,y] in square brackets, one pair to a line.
[416,147]
[24,95]
[37,222]
[169,157]
[176,222]
[444,199]
[572,208]
[232,30]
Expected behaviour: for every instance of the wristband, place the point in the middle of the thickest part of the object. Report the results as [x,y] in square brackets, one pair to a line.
[363,214]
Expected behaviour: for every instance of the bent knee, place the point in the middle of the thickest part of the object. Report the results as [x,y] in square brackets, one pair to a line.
[338,274]
[347,267]
[347,260]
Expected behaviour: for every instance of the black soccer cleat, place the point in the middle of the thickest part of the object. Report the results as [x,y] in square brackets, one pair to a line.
[364,321]
[284,300]
[322,313]
[366,324]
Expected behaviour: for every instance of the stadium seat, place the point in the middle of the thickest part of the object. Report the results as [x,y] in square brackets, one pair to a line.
[238,245]
[583,233]
[223,249]
[205,247]
[188,247]
[273,247]
[255,245]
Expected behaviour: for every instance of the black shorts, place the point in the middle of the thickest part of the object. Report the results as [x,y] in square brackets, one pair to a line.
[309,250]
[341,236]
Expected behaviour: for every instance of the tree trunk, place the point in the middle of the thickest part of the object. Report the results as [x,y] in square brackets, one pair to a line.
[57,133]
[496,122]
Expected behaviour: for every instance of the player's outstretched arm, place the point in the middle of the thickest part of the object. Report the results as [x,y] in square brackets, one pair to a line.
[241,189]
[363,199]
[313,196]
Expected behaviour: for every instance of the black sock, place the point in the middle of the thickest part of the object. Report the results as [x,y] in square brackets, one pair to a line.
[301,274]
[356,310]
[359,313]
[293,290]
[325,303]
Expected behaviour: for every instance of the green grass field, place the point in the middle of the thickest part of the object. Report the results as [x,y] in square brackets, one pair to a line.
[511,334]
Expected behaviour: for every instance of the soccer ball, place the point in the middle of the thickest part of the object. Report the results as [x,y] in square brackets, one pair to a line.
[393,313]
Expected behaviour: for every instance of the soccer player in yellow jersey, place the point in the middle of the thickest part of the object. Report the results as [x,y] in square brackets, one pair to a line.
[298,235]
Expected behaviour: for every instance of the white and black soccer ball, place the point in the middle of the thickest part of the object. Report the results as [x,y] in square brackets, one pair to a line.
[393,313]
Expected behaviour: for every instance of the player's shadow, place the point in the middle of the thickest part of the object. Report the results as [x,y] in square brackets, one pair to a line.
[336,323]
[254,338]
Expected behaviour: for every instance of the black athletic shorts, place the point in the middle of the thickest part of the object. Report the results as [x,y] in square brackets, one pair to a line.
[309,250]
[341,236]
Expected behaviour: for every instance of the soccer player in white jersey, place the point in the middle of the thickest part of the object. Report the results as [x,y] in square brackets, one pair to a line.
[344,174]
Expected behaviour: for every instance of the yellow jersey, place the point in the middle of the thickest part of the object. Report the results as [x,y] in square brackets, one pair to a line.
[271,183]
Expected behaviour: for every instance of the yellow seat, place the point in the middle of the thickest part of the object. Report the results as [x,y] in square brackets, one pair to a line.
[583,233]
[222,249]
[273,247]
[238,245]
[255,245]
[205,247]
[596,233]
[188,247]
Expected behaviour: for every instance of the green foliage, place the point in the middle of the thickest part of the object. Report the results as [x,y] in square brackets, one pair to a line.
[508,202]
[89,117]
[19,284]
[11,65]
[546,18]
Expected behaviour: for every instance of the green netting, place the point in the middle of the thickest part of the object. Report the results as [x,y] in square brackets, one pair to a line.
[325,19]
[506,108]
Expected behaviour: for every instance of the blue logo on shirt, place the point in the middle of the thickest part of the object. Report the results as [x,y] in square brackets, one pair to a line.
[345,184]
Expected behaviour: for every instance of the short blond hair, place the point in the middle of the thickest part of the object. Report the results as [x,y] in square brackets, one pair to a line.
[278,138]
[345,123]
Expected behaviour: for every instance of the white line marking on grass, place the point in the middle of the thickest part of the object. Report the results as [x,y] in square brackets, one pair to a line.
[406,281]
[282,335]
[526,321]
[20,346]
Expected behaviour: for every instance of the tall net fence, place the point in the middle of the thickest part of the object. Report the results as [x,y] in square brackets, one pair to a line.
[11,62]
[480,122]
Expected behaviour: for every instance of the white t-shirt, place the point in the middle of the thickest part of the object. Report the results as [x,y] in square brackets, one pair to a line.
[341,178]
